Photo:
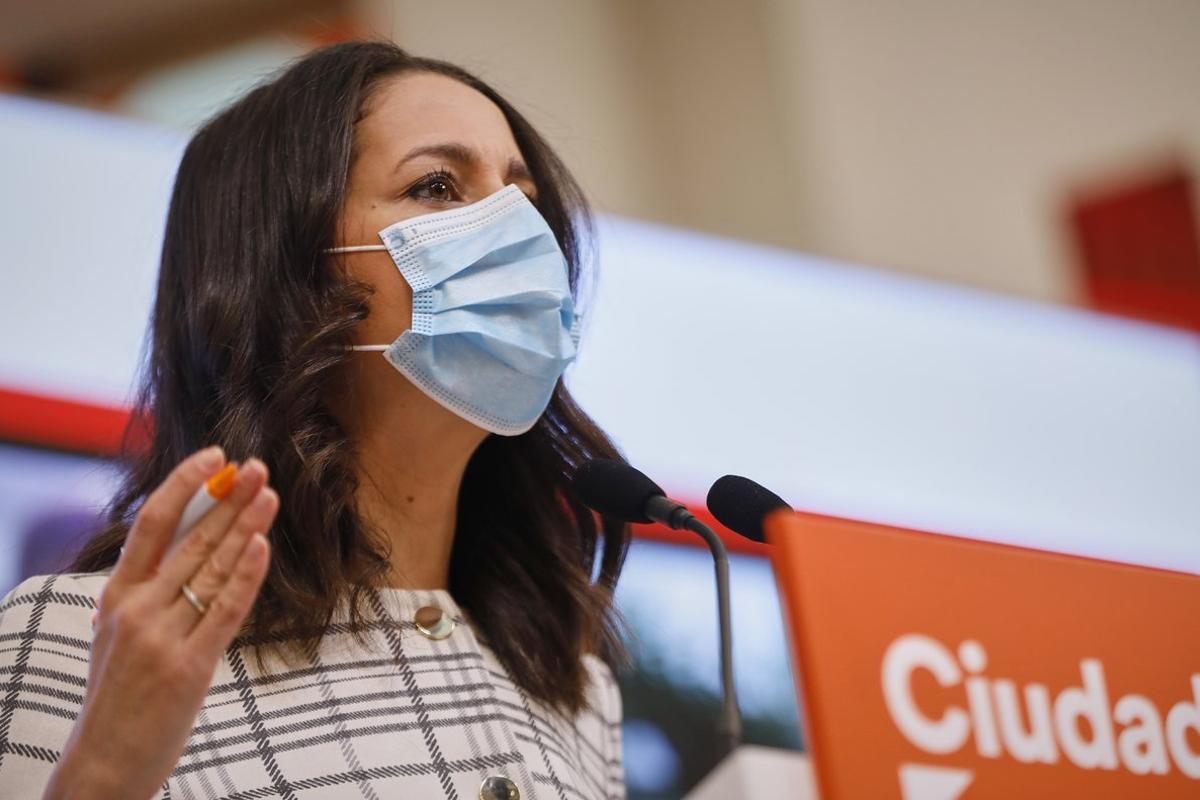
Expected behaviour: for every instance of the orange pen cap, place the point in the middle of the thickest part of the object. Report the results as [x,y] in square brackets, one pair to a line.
[220,485]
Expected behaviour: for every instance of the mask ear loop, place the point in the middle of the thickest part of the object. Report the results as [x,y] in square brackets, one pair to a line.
[359,248]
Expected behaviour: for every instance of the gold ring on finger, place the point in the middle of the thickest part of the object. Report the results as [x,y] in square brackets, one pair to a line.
[191,598]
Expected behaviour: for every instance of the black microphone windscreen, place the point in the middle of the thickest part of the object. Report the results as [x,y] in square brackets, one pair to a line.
[614,489]
[740,504]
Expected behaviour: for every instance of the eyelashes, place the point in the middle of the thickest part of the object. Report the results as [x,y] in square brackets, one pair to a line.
[437,177]
[428,181]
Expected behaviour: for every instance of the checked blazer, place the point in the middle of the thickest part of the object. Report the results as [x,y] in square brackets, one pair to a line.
[413,716]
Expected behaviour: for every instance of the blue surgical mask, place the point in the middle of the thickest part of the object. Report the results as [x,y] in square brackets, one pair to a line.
[493,321]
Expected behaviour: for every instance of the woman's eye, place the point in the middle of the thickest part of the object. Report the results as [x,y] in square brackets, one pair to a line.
[439,188]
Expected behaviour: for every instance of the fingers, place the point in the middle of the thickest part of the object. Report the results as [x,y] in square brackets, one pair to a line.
[159,514]
[215,573]
[229,607]
[199,543]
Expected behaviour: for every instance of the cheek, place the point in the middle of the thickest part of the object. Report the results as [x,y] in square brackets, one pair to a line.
[376,216]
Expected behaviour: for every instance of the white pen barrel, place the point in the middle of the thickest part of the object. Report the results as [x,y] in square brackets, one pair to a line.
[196,508]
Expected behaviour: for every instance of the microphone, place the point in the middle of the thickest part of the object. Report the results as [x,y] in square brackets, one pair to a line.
[617,490]
[740,504]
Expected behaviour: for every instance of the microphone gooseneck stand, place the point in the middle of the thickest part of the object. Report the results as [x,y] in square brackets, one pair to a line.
[674,515]
[617,490]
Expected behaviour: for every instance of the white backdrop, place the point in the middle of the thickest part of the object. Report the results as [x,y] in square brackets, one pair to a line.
[849,391]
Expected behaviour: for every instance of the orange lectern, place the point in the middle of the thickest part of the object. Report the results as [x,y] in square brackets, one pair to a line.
[934,667]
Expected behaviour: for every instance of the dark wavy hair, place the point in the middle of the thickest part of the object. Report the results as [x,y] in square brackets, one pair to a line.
[247,335]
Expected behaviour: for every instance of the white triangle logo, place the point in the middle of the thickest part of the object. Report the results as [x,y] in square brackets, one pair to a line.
[921,782]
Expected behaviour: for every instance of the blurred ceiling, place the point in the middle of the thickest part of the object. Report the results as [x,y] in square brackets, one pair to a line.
[53,45]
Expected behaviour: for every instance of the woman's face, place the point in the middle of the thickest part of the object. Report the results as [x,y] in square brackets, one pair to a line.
[425,143]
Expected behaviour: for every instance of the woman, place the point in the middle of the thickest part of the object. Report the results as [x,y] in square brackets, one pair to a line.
[420,619]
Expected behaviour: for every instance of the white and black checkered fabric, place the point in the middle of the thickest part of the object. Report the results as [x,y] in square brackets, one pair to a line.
[412,717]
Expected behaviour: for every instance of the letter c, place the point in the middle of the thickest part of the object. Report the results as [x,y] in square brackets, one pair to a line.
[906,654]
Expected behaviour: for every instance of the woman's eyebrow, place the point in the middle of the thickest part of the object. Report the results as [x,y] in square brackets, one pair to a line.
[456,151]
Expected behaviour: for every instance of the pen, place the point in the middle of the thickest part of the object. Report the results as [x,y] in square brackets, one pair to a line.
[214,490]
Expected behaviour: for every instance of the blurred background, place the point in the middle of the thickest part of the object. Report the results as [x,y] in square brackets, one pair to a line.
[933,263]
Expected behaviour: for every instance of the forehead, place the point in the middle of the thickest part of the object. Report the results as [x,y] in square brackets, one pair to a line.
[420,108]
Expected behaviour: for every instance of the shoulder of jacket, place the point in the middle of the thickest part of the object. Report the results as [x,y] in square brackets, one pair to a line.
[598,668]
[45,652]
[604,692]
[54,597]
